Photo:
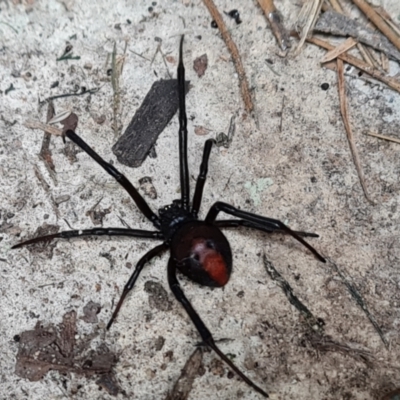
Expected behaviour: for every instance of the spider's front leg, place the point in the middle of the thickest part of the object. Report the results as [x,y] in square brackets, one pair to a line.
[201,327]
[93,232]
[118,176]
[258,220]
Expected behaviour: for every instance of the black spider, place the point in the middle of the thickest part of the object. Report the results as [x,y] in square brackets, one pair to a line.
[198,249]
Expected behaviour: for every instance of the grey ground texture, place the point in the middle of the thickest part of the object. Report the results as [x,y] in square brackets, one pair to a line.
[290,161]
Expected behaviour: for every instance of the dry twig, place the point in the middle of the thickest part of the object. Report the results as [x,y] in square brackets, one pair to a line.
[378,21]
[33,124]
[363,50]
[306,20]
[244,86]
[377,135]
[391,82]
[341,25]
[342,48]
[190,371]
[350,137]
[45,152]
[274,19]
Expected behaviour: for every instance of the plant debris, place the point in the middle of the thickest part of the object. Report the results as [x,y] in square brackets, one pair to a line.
[200,65]
[341,25]
[56,348]
[237,61]
[146,184]
[44,248]
[275,21]
[350,136]
[158,296]
[192,369]
[154,114]
[326,343]
[90,312]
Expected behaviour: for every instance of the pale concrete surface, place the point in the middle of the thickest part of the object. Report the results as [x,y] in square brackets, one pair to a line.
[303,175]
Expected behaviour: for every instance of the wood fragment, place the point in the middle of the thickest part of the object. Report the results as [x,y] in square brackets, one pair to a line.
[385,62]
[377,135]
[378,21]
[342,25]
[150,119]
[342,48]
[190,371]
[350,136]
[378,75]
[34,124]
[45,153]
[365,54]
[117,63]
[388,19]
[237,61]
[274,19]
[336,6]
[361,48]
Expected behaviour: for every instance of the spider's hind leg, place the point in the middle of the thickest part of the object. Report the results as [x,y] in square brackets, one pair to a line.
[201,327]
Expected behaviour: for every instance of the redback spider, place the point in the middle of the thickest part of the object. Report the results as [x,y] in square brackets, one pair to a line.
[198,249]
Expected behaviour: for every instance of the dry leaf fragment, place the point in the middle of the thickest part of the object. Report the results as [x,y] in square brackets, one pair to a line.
[200,65]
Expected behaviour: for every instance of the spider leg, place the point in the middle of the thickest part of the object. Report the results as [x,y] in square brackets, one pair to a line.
[93,232]
[235,223]
[138,269]
[258,220]
[201,179]
[201,327]
[118,176]
[183,159]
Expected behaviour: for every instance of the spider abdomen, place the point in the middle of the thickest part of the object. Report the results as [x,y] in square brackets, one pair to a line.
[202,253]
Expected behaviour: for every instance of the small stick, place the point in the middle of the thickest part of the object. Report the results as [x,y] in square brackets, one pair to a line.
[345,116]
[244,86]
[306,20]
[363,50]
[336,6]
[274,19]
[378,21]
[190,371]
[377,135]
[34,124]
[45,152]
[342,48]
[388,19]
[391,82]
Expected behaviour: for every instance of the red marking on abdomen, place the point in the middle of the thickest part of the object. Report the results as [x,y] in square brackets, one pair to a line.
[215,266]
[212,261]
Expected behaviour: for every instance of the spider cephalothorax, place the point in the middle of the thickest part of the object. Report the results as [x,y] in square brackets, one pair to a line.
[198,249]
